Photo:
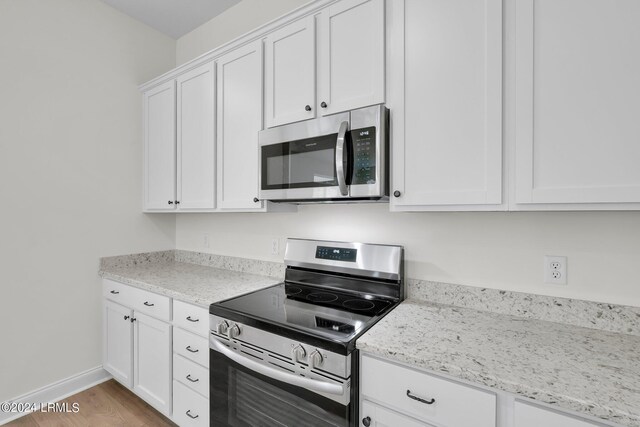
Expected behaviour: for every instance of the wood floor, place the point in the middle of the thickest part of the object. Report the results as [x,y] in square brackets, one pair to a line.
[107,404]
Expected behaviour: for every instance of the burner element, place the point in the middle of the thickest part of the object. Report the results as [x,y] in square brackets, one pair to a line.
[292,290]
[322,297]
[358,304]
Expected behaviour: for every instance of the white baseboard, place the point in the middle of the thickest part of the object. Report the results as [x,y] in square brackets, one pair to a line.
[58,391]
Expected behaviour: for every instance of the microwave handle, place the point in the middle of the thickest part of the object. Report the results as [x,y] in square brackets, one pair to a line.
[340,172]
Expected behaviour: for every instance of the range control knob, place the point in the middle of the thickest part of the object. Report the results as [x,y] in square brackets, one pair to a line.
[222,327]
[315,359]
[234,331]
[298,353]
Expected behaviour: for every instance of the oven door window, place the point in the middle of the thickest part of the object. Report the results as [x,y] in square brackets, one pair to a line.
[243,398]
[303,163]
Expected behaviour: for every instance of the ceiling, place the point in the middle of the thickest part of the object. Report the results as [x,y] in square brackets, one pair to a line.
[174,18]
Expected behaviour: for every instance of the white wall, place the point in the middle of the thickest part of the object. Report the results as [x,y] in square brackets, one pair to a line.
[234,22]
[70,177]
[488,249]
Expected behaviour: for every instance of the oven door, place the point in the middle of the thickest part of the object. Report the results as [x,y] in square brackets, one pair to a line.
[242,397]
[307,160]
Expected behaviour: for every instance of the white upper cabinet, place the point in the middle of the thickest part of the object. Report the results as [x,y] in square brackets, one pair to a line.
[343,59]
[160,147]
[290,73]
[239,121]
[445,98]
[577,133]
[351,55]
[195,139]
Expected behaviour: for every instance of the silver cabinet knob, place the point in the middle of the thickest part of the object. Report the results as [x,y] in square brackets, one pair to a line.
[315,359]
[298,353]
[222,327]
[234,331]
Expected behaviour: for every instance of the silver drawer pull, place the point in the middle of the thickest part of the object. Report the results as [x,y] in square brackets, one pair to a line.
[191,416]
[148,304]
[428,402]
[192,380]
[192,320]
[115,292]
[192,350]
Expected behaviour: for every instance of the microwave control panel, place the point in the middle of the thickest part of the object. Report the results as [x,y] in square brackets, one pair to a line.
[364,155]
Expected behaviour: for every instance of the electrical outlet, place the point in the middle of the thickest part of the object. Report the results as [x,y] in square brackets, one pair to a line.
[275,246]
[555,270]
[205,240]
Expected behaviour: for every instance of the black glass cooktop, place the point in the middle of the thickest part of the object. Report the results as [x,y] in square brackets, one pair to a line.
[323,313]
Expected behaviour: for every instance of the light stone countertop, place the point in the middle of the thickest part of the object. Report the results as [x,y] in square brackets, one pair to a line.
[590,371]
[196,284]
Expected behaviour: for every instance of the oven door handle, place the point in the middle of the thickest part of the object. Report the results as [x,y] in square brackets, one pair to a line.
[340,172]
[277,374]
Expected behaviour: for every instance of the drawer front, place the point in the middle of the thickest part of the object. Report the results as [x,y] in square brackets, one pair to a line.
[151,304]
[117,292]
[532,416]
[452,404]
[191,374]
[189,408]
[191,346]
[191,317]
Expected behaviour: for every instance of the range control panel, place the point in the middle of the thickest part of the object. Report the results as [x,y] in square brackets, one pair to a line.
[336,254]
[364,155]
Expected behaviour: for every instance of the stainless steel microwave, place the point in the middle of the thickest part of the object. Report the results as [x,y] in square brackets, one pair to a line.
[336,158]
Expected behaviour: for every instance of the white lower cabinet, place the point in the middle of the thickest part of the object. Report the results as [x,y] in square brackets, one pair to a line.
[190,365]
[137,348]
[152,361]
[118,342]
[190,408]
[373,415]
[526,415]
[392,395]
[427,398]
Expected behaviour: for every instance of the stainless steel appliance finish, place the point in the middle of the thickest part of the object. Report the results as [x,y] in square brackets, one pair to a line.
[376,261]
[342,157]
[285,355]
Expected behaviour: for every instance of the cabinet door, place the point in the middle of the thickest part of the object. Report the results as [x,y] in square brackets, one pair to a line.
[160,148]
[378,416]
[531,416]
[445,93]
[239,121]
[117,346]
[290,73]
[195,139]
[152,361]
[351,56]
[577,91]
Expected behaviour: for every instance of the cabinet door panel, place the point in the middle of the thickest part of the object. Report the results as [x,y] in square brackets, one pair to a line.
[195,139]
[118,342]
[446,112]
[577,92]
[351,56]
[152,362]
[239,121]
[532,416]
[383,417]
[290,73]
[160,147]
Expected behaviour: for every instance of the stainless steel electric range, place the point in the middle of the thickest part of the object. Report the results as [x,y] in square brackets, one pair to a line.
[285,355]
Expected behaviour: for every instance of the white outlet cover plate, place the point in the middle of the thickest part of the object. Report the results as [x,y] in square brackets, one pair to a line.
[549,271]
